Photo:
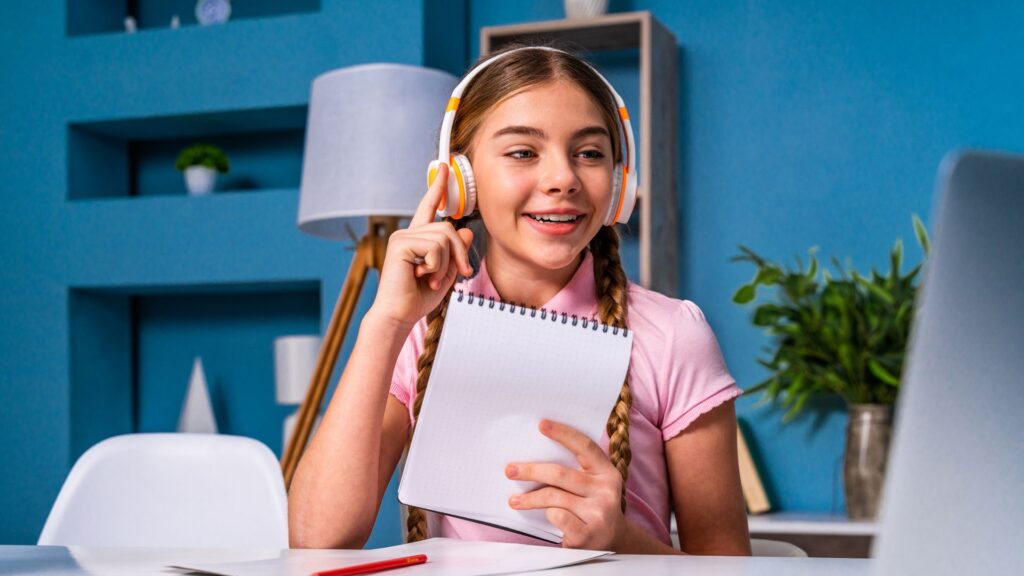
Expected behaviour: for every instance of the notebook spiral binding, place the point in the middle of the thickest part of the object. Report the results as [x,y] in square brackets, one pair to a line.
[543,313]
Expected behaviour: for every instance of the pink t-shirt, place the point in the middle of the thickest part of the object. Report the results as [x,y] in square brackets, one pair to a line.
[676,373]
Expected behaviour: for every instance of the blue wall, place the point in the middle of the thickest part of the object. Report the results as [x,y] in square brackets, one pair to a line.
[801,124]
[113,279]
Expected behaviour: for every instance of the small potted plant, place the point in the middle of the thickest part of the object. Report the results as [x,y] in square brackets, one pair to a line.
[844,336]
[201,163]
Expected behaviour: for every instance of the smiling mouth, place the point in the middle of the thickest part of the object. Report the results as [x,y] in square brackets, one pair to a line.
[555,218]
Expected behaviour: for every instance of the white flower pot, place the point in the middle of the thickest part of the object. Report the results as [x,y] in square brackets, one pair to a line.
[585,8]
[200,180]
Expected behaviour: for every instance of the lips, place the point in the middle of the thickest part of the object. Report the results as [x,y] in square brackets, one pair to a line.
[554,223]
[554,218]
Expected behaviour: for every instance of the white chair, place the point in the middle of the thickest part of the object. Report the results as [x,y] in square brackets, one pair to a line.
[762,547]
[172,490]
[758,546]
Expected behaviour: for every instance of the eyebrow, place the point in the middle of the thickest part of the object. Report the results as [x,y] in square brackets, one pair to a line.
[538,133]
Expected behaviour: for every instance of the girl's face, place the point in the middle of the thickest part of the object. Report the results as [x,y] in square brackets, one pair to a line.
[543,164]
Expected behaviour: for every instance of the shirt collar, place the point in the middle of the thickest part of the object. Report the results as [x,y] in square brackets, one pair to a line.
[578,297]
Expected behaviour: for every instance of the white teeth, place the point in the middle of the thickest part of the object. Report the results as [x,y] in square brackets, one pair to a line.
[554,217]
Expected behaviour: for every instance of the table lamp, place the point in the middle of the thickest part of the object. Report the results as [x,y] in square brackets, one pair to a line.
[371,132]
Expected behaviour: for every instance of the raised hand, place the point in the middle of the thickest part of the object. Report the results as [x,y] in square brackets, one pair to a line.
[584,503]
[422,261]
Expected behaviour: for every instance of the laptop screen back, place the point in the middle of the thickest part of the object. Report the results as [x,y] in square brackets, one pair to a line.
[954,497]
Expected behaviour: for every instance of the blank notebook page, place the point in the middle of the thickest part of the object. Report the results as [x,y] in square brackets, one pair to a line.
[499,369]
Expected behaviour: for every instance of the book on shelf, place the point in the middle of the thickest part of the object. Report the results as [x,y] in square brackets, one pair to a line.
[753,489]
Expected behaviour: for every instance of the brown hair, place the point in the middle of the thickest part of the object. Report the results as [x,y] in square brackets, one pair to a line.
[515,72]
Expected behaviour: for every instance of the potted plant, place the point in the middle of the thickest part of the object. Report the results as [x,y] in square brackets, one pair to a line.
[201,163]
[844,336]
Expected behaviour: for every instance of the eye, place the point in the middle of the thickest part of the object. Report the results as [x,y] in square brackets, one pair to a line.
[591,154]
[521,154]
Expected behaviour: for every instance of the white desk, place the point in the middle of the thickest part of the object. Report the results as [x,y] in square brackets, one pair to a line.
[76,561]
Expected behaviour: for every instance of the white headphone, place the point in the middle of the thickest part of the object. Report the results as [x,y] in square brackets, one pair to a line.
[460,200]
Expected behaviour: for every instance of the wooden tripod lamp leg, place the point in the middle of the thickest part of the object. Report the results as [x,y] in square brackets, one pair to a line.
[362,261]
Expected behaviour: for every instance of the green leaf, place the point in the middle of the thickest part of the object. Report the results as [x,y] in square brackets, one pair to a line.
[768,315]
[882,374]
[745,294]
[813,269]
[768,275]
[876,290]
[922,235]
[896,260]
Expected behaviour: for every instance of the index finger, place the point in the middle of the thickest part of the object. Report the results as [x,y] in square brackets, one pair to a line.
[588,453]
[427,209]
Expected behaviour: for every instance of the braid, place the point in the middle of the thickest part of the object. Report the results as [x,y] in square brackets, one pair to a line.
[416,523]
[612,288]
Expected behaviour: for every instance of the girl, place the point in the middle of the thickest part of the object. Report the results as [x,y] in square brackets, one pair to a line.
[539,127]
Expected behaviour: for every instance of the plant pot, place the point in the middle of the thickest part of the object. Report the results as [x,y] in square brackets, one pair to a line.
[867,454]
[585,8]
[200,180]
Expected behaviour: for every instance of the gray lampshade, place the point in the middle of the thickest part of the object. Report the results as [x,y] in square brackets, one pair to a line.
[371,132]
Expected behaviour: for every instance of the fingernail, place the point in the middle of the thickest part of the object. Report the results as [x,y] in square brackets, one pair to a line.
[545,425]
[513,501]
[511,471]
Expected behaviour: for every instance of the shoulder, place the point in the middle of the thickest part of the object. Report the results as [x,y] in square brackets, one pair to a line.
[671,337]
[654,312]
[677,364]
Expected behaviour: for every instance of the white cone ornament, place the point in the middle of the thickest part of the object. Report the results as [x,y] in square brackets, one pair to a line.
[197,412]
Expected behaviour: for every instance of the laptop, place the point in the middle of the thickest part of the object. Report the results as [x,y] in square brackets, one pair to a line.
[954,496]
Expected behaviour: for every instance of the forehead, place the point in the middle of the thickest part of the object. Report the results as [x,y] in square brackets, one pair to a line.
[551,106]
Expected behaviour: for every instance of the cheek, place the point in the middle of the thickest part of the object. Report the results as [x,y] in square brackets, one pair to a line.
[502,191]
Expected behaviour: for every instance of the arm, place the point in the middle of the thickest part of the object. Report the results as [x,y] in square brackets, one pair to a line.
[341,479]
[338,485]
[704,475]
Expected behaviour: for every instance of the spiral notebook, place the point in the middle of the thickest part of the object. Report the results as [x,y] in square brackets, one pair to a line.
[499,369]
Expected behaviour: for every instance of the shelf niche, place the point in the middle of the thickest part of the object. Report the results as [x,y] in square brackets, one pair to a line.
[107,16]
[132,351]
[136,157]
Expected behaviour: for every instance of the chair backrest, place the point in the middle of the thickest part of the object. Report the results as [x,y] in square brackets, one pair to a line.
[761,547]
[172,490]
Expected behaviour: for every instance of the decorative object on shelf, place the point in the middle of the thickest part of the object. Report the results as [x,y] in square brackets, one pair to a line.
[585,8]
[130,25]
[175,22]
[213,11]
[294,362]
[750,481]
[197,411]
[846,336]
[201,163]
[370,134]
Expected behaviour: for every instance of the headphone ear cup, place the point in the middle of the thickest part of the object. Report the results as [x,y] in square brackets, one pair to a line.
[462,187]
[609,219]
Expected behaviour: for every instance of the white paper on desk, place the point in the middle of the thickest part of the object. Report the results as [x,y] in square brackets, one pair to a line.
[497,372]
[445,557]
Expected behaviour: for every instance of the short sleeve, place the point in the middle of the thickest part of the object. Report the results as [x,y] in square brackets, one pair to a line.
[697,377]
[403,379]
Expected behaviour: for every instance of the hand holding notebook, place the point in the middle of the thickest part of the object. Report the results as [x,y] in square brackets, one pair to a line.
[499,370]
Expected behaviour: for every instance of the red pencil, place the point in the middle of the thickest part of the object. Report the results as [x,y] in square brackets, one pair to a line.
[374,566]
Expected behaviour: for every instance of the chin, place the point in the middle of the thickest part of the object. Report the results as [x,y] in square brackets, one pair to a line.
[556,257]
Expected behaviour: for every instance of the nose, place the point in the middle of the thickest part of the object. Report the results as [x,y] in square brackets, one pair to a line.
[559,175]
